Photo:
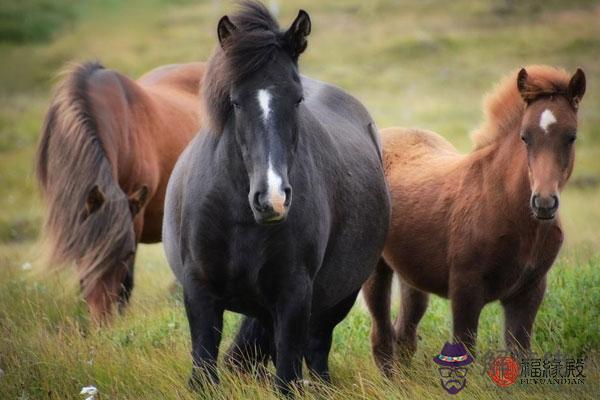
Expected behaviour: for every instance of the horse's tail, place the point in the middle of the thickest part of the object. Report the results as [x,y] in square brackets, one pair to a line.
[88,219]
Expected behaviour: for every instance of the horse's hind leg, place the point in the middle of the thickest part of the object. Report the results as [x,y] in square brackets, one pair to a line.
[205,318]
[252,347]
[377,293]
[320,337]
[413,304]
[519,315]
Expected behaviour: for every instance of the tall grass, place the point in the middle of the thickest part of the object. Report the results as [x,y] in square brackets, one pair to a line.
[49,345]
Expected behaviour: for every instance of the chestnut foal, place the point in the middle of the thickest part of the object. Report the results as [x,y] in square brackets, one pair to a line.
[479,227]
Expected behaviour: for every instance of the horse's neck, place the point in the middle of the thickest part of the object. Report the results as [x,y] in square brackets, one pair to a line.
[507,175]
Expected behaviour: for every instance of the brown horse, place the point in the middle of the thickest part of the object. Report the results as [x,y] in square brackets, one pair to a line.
[479,227]
[106,153]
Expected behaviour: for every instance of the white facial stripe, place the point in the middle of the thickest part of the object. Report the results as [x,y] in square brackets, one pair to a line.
[275,194]
[264,100]
[547,119]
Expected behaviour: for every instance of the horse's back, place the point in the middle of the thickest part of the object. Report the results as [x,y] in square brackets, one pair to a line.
[184,77]
[343,117]
[414,147]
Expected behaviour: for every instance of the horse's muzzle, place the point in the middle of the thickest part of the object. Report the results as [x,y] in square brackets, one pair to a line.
[544,207]
[269,208]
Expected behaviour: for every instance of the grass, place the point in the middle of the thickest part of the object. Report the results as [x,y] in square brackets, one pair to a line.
[415,63]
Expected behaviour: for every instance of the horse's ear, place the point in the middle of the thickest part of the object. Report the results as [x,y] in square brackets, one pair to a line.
[523,86]
[296,35]
[577,88]
[94,201]
[224,30]
[138,200]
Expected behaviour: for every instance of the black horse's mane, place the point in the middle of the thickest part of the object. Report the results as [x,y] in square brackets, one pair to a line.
[247,49]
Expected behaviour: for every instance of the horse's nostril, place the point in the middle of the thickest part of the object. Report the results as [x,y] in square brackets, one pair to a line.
[546,204]
[256,201]
[554,203]
[288,196]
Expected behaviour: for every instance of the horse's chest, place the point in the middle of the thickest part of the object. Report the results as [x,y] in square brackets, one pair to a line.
[245,263]
[520,261]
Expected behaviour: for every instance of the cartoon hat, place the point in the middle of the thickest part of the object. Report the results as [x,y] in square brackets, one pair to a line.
[453,355]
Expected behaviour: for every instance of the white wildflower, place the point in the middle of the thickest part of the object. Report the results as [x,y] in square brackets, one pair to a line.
[26,266]
[90,392]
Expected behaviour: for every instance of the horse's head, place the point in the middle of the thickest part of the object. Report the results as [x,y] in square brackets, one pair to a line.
[549,130]
[107,272]
[265,107]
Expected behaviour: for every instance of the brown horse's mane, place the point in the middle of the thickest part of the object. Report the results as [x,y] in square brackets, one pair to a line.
[70,160]
[249,47]
[504,106]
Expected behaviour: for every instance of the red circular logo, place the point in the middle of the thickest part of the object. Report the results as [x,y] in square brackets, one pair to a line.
[504,371]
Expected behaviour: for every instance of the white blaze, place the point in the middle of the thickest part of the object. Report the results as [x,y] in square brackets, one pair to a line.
[276,195]
[264,100]
[547,119]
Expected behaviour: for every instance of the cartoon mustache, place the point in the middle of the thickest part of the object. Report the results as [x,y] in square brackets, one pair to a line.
[453,382]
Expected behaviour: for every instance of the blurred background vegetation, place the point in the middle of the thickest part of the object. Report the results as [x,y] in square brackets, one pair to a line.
[418,63]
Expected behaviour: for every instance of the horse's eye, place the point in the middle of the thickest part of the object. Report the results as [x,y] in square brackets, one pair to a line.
[571,139]
[235,104]
[525,139]
[300,100]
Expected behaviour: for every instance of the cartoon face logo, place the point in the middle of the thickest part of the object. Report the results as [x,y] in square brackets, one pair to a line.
[453,361]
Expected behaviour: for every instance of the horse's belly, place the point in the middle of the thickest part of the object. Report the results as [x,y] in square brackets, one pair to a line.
[425,273]
[416,247]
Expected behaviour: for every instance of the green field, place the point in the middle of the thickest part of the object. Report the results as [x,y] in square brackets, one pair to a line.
[413,63]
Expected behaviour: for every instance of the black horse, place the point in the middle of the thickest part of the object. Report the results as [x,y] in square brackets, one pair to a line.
[234,237]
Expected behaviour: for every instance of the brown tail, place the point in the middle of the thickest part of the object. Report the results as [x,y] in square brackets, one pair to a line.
[71,164]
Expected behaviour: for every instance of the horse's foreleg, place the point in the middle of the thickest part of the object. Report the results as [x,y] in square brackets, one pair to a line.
[292,315]
[320,337]
[377,293]
[519,315]
[205,318]
[413,304]
[467,303]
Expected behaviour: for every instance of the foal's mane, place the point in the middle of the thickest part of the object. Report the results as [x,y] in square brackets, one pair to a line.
[249,47]
[504,106]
